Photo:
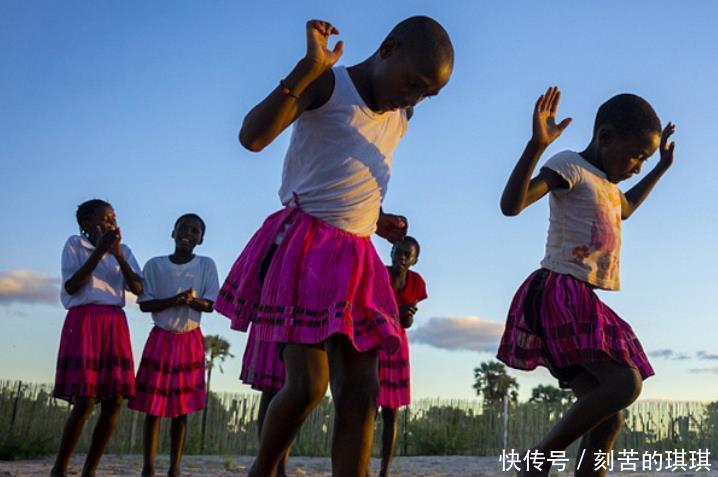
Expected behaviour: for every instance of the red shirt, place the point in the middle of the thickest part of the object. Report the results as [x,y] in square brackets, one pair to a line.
[414,290]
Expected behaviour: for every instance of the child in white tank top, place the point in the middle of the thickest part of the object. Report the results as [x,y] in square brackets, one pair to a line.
[325,299]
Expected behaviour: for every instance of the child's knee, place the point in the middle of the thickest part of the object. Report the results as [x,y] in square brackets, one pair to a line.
[355,391]
[625,388]
[633,386]
[84,406]
[112,406]
[306,394]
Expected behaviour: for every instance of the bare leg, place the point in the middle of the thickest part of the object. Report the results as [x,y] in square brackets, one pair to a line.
[616,386]
[354,383]
[266,398]
[109,413]
[177,434]
[307,380]
[388,439]
[600,438]
[81,411]
[151,438]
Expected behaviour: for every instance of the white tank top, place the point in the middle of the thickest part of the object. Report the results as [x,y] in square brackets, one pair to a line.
[339,159]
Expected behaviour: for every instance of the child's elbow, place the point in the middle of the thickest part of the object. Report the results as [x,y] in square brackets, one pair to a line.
[510,210]
[250,142]
[509,206]
[137,288]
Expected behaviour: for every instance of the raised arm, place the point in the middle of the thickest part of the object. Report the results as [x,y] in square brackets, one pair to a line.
[522,191]
[307,86]
[631,200]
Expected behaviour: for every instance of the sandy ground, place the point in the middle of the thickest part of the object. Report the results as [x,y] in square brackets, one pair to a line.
[225,466]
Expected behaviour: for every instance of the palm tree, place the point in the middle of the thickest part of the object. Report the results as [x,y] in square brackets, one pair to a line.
[215,348]
[551,395]
[491,380]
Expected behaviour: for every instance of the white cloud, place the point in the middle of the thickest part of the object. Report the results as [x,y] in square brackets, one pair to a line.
[713,370]
[469,333]
[28,286]
[668,354]
[706,355]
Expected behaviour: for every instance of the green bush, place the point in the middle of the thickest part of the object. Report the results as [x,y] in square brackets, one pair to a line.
[14,447]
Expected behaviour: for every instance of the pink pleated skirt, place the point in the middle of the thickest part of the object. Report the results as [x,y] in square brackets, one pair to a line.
[321,281]
[95,356]
[394,376]
[170,381]
[262,366]
[559,322]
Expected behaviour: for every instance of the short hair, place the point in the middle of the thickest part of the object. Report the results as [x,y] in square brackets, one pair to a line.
[425,36]
[86,211]
[191,216]
[628,113]
[410,240]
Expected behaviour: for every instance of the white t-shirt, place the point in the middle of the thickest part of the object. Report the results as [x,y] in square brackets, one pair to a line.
[106,285]
[584,235]
[164,279]
[339,159]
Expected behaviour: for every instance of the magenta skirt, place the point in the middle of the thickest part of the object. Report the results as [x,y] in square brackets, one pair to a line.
[321,281]
[95,356]
[394,376]
[170,381]
[558,321]
[263,369]
[262,366]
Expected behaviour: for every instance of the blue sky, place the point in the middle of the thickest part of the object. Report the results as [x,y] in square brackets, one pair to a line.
[140,103]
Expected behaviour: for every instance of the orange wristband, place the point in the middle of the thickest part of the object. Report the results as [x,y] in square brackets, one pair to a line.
[286,91]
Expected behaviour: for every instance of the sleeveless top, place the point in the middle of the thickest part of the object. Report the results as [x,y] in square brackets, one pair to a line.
[338,162]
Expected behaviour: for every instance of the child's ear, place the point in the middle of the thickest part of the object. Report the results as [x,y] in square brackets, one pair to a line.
[387,48]
[173,233]
[605,135]
[201,239]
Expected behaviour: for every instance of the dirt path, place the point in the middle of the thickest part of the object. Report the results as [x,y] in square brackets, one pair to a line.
[226,466]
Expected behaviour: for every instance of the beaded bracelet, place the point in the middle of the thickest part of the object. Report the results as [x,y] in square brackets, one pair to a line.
[286,91]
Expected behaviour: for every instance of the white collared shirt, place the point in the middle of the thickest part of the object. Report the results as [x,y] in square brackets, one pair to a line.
[106,285]
[164,279]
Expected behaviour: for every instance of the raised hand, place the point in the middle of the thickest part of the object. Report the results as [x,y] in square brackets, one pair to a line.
[667,148]
[545,129]
[392,227]
[115,248]
[318,54]
[109,241]
[406,315]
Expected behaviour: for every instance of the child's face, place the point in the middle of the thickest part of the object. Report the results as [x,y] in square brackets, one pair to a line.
[102,221]
[187,234]
[404,255]
[401,81]
[622,156]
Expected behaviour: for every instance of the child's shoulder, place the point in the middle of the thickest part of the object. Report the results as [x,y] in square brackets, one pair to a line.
[158,260]
[204,262]
[565,157]
[73,240]
[77,242]
[569,165]
[416,276]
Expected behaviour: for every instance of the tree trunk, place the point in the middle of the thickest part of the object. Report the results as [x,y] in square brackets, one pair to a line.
[204,412]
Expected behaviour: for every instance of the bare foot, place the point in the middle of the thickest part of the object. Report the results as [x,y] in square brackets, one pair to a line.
[57,472]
